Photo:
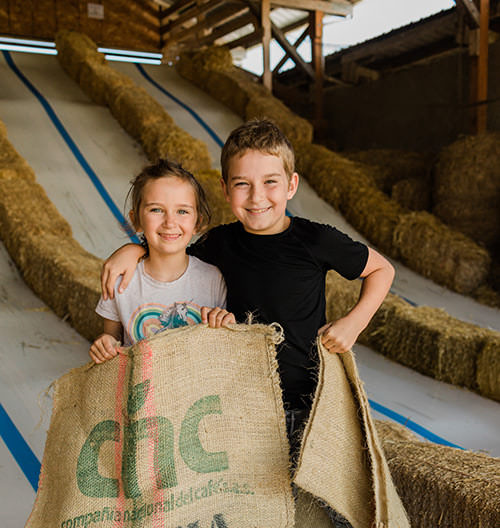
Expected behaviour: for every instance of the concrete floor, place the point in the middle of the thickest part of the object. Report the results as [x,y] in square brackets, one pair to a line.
[37,347]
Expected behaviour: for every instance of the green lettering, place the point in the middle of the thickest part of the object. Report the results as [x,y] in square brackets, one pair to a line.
[90,482]
[161,431]
[192,452]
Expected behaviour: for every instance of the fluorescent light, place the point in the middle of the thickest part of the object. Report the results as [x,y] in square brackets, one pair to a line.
[122,58]
[40,43]
[28,49]
[129,53]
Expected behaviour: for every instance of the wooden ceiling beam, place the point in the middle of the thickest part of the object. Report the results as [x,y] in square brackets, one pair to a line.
[281,39]
[336,7]
[471,10]
[229,27]
[296,44]
[227,12]
[243,41]
[174,8]
[195,11]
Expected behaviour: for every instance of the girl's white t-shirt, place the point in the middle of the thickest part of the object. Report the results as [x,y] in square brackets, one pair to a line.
[149,306]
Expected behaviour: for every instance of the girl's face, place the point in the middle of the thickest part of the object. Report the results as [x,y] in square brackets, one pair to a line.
[167,215]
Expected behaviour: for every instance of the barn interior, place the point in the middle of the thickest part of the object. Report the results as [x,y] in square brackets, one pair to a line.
[397,142]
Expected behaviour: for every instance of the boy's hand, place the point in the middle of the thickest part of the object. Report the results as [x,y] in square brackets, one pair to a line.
[122,262]
[216,317]
[104,347]
[338,337]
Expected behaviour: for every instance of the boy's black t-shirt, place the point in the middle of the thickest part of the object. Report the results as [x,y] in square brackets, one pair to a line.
[281,278]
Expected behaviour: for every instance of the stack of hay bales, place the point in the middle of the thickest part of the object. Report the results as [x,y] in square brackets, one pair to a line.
[466,197]
[467,187]
[139,114]
[443,486]
[212,69]
[40,241]
[392,166]
[418,239]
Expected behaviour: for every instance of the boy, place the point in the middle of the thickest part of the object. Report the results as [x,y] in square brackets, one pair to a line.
[275,266]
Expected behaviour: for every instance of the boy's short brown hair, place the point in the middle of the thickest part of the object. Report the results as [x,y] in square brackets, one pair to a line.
[262,135]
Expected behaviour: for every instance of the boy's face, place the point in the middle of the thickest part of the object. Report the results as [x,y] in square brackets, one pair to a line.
[258,190]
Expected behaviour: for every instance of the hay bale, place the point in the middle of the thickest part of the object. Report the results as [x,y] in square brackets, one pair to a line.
[351,190]
[63,275]
[100,82]
[15,217]
[433,343]
[372,213]
[11,163]
[436,251]
[212,69]
[412,194]
[74,50]
[467,187]
[488,368]
[175,143]
[390,165]
[341,295]
[3,130]
[135,109]
[221,211]
[297,129]
[445,487]
[330,174]
[393,432]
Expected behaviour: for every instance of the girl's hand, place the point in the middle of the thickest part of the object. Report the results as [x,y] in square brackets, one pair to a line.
[105,347]
[122,262]
[216,317]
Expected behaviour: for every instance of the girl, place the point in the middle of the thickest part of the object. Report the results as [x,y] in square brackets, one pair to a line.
[169,288]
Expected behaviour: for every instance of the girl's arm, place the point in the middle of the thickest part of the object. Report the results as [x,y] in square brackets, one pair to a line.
[122,262]
[105,346]
[339,336]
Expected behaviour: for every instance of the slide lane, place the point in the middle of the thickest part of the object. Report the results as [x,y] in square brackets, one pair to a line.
[33,361]
[111,154]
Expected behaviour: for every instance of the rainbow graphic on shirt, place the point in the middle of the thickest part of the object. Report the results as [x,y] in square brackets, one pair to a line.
[149,319]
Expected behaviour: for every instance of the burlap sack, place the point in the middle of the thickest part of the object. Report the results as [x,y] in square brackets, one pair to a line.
[341,461]
[184,430]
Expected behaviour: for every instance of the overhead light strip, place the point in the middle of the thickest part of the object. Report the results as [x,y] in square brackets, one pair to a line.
[123,58]
[49,48]
[38,43]
[129,53]
[27,49]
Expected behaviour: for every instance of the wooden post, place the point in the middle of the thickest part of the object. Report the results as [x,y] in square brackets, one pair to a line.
[265,18]
[318,63]
[478,49]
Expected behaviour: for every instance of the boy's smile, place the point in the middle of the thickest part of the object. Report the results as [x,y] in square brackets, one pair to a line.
[258,190]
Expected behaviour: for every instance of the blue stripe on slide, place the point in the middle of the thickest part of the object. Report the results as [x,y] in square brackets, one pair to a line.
[198,118]
[74,149]
[422,431]
[20,450]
